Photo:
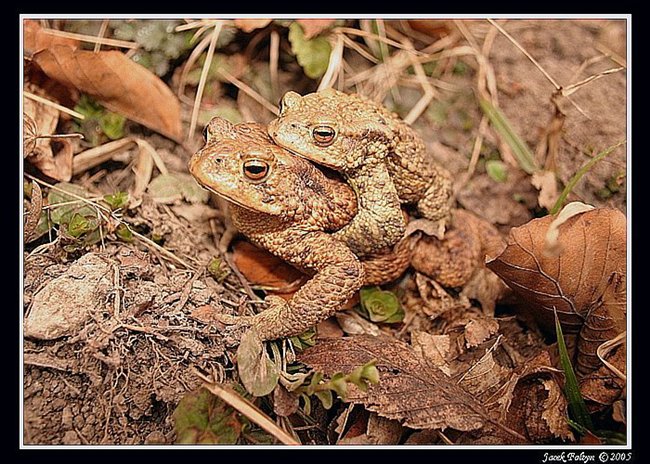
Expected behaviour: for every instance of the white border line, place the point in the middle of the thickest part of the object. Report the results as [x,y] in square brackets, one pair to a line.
[567,448]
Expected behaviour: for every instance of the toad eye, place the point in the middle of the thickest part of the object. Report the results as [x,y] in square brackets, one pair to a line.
[256,169]
[323,135]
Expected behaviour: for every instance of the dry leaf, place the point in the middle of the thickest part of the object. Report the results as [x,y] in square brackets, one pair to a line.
[118,83]
[35,39]
[313,27]
[409,390]
[33,213]
[432,348]
[249,25]
[285,403]
[478,330]
[264,269]
[585,281]
[353,324]
[41,119]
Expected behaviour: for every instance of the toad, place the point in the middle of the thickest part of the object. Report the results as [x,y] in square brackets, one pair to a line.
[382,158]
[287,206]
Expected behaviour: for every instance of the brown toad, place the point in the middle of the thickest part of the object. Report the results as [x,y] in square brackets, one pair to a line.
[287,206]
[382,158]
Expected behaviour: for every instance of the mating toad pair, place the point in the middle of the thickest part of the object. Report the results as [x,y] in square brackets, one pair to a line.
[345,235]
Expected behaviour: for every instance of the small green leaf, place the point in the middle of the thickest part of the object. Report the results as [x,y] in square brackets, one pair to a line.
[381,305]
[325,397]
[307,407]
[313,54]
[112,124]
[79,225]
[201,417]
[304,340]
[124,233]
[218,269]
[370,372]
[497,170]
[258,373]
[69,204]
[577,406]
[338,384]
[504,128]
[117,200]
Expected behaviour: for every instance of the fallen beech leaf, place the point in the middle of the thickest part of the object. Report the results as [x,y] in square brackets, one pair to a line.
[176,186]
[285,403]
[313,27]
[409,390]
[264,269]
[36,39]
[118,83]
[584,281]
[478,330]
[249,25]
[432,348]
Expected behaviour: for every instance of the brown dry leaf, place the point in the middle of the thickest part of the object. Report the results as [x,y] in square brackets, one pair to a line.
[432,348]
[478,330]
[409,390]
[313,27]
[584,280]
[484,377]
[35,39]
[249,25]
[264,269]
[434,28]
[41,119]
[603,387]
[120,84]
[532,401]
[285,403]
[33,213]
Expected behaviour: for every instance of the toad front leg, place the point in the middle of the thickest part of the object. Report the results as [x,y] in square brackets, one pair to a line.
[379,222]
[338,276]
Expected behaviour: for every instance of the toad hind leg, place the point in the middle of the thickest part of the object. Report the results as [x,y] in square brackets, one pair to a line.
[436,202]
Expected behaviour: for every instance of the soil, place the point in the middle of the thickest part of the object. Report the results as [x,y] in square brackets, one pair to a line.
[117,380]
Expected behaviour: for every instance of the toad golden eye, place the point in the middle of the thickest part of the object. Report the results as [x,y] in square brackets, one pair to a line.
[323,135]
[256,169]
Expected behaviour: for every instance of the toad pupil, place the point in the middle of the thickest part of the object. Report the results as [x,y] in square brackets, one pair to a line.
[255,170]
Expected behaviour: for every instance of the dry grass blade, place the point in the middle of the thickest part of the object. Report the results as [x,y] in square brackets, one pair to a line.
[574,87]
[203,79]
[251,411]
[248,90]
[95,156]
[348,30]
[47,102]
[525,52]
[92,39]
[100,35]
[608,346]
[335,63]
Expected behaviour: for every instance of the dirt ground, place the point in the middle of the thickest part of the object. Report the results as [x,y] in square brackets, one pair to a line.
[119,377]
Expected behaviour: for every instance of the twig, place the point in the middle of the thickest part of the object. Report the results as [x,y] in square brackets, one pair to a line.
[47,102]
